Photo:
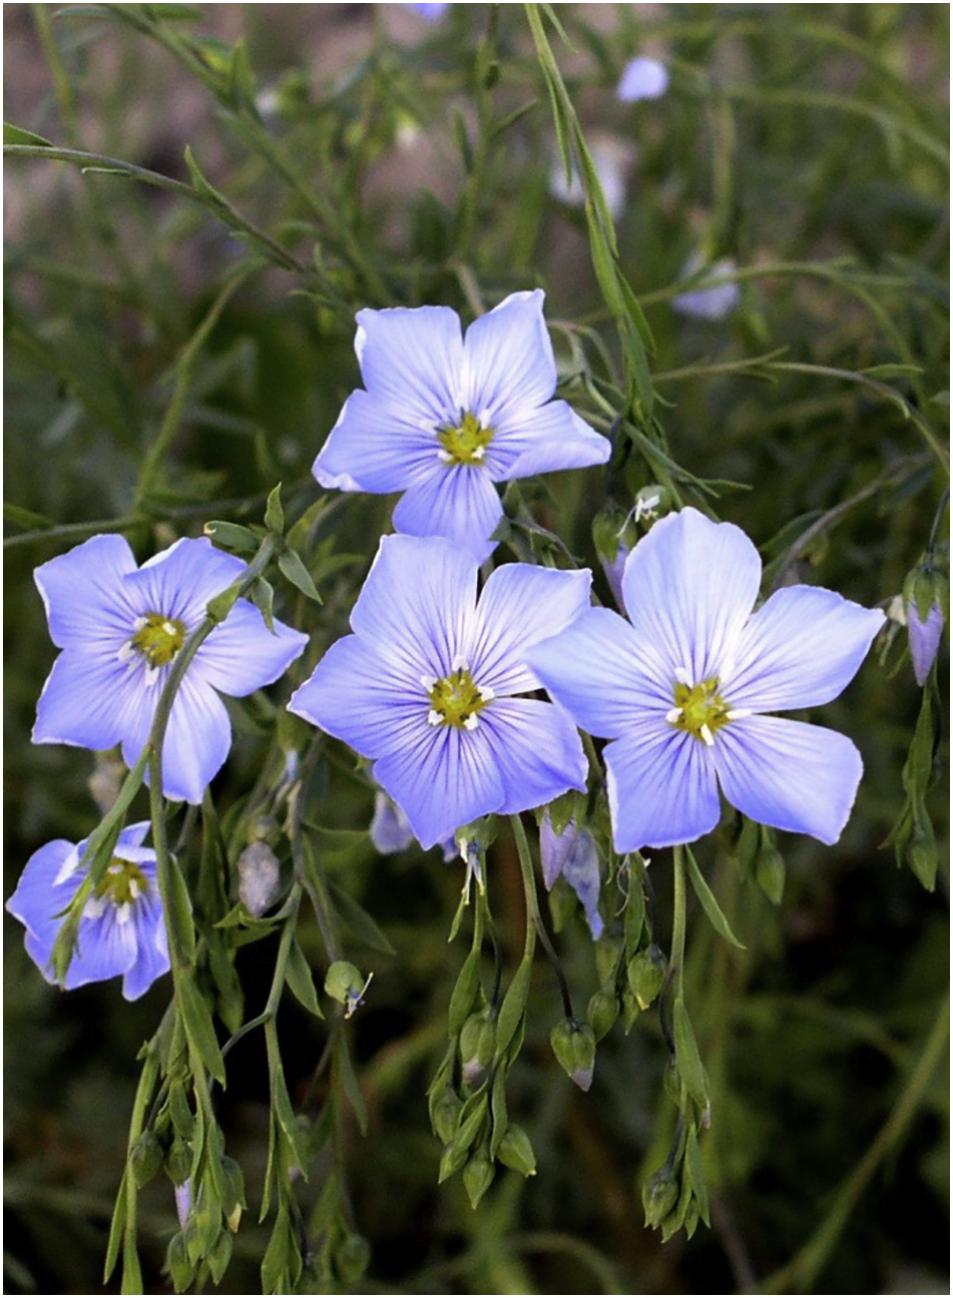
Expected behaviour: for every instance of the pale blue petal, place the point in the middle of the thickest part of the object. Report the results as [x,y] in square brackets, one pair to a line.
[417,604]
[789,775]
[362,697]
[38,898]
[83,698]
[104,949]
[509,357]
[613,572]
[924,638]
[390,829]
[537,751]
[574,856]
[197,738]
[710,304]
[152,948]
[180,581]
[662,787]
[801,649]
[432,11]
[441,779]
[133,835]
[412,360]
[375,447]
[242,654]
[642,78]
[600,673]
[459,502]
[543,440]
[83,592]
[520,605]
[689,587]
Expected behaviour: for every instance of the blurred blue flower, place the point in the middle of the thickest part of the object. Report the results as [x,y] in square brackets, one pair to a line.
[708,303]
[924,635]
[120,628]
[424,687]
[441,417]
[612,160]
[121,932]
[680,688]
[432,12]
[642,78]
[572,855]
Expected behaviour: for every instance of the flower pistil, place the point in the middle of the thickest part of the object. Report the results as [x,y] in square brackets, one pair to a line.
[466,442]
[456,699]
[700,709]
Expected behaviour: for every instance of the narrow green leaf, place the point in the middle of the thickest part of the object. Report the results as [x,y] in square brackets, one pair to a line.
[180,913]
[361,924]
[514,1005]
[115,1230]
[299,979]
[687,1059]
[199,1027]
[263,597]
[696,1175]
[292,567]
[274,511]
[352,1090]
[463,997]
[709,903]
[17,135]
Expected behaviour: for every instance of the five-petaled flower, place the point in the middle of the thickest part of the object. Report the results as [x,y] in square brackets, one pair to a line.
[121,933]
[681,689]
[442,417]
[424,687]
[120,629]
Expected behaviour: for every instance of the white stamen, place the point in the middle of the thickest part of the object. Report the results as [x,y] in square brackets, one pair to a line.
[433,717]
[152,675]
[672,716]
[123,913]
[485,693]
[460,663]
[139,623]
[126,651]
[483,418]
[428,682]
[471,722]
[133,889]
[479,453]
[707,737]
[67,868]
[168,628]
[444,456]
[683,676]
[94,908]
[115,869]
[738,714]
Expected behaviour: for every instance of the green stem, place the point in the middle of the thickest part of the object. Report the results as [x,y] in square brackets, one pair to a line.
[678,921]
[534,920]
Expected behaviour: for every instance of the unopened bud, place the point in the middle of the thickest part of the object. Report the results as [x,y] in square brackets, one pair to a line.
[630,1009]
[345,984]
[258,874]
[446,1115]
[233,1199]
[177,1262]
[178,1161]
[769,872]
[659,1195]
[351,1258]
[603,1011]
[477,1045]
[646,973]
[574,1045]
[232,536]
[516,1151]
[146,1158]
[478,1177]
[219,1256]
[608,951]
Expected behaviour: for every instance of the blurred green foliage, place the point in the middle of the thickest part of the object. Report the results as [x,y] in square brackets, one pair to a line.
[360,156]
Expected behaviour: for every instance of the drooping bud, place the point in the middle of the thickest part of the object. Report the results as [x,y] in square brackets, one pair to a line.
[516,1151]
[574,1045]
[603,1011]
[477,1045]
[219,1256]
[233,1200]
[659,1194]
[926,600]
[178,1161]
[258,875]
[573,856]
[351,1257]
[183,1201]
[390,829]
[177,1262]
[345,984]
[146,1158]
[608,951]
[478,1177]
[646,973]
[446,1115]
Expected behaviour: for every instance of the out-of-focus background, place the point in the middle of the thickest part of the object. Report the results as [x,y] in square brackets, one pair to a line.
[804,144]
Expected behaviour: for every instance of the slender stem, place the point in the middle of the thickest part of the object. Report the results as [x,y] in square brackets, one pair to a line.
[937,519]
[534,920]
[678,921]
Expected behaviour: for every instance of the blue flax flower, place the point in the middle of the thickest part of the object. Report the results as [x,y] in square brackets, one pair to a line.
[442,418]
[424,687]
[642,78]
[682,686]
[121,933]
[573,856]
[120,628]
[708,303]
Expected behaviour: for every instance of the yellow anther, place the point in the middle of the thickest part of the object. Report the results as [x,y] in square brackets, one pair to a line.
[456,700]
[466,443]
[158,638]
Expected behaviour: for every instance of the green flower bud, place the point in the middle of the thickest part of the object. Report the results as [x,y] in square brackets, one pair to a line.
[446,1115]
[574,1045]
[515,1151]
[608,951]
[646,973]
[177,1263]
[454,1156]
[769,872]
[603,1011]
[232,536]
[178,1161]
[233,1200]
[630,1009]
[477,1045]
[608,527]
[671,1081]
[351,1258]
[345,984]
[659,1195]
[478,1177]
[146,1158]
[220,1256]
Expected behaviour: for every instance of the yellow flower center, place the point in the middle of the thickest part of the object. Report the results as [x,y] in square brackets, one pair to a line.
[122,883]
[456,700]
[159,638]
[700,710]
[466,443]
